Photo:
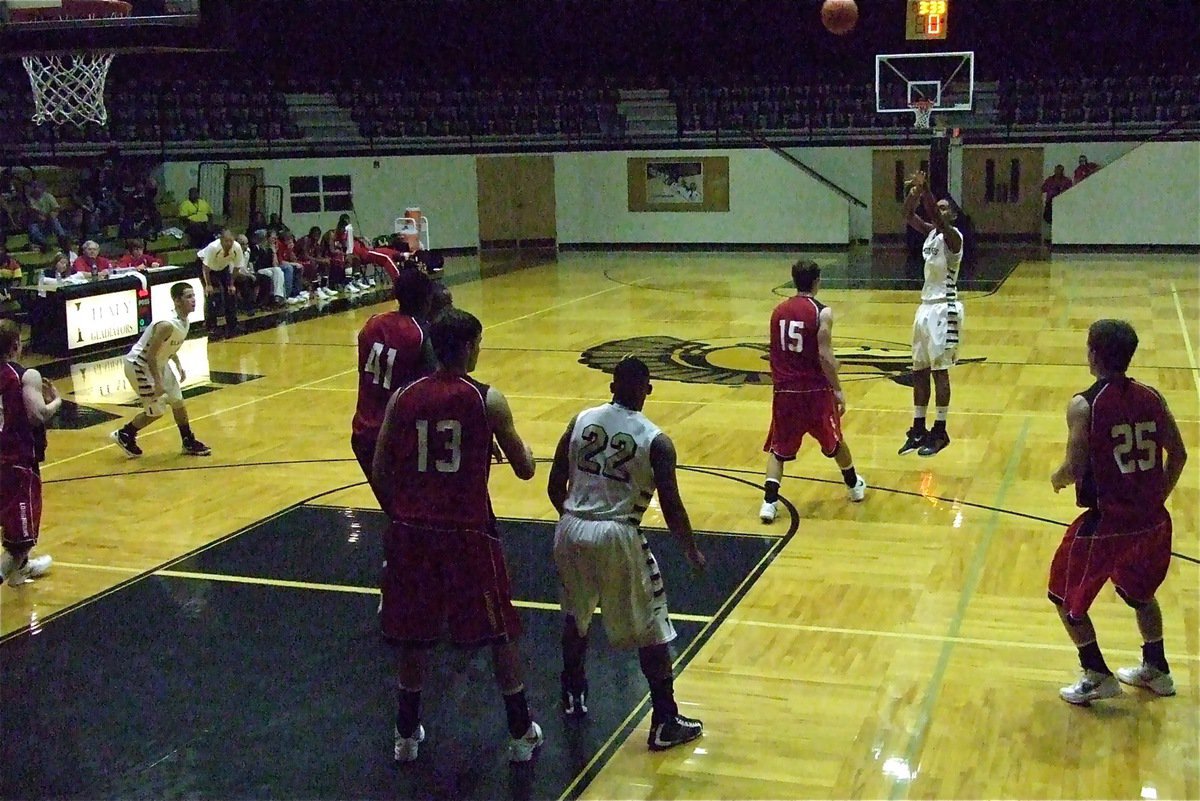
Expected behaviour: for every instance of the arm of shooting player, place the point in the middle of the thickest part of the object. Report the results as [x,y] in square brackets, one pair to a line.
[948,231]
[916,186]
[663,461]
[560,470]
[518,454]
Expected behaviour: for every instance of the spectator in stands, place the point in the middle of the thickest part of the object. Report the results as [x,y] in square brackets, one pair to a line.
[85,218]
[136,257]
[136,222]
[195,217]
[43,215]
[275,223]
[1085,168]
[101,184]
[258,222]
[11,198]
[90,262]
[68,247]
[1052,187]
[10,273]
[60,267]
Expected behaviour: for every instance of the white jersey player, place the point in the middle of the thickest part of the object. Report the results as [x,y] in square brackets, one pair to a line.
[147,368]
[937,327]
[607,466]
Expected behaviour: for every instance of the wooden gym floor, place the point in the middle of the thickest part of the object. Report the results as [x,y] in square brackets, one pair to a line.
[207,629]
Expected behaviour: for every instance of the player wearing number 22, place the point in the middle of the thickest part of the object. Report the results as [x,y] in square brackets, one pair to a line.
[445,567]
[808,396]
[1118,431]
[393,350]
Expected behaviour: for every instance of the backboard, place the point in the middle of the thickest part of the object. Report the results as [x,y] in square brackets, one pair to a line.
[946,79]
[31,16]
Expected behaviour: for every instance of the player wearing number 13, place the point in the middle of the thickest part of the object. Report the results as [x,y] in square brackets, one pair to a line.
[1118,431]
[445,567]
[393,351]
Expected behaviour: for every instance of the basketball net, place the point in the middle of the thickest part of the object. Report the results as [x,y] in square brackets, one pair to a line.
[69,88]
[922,113]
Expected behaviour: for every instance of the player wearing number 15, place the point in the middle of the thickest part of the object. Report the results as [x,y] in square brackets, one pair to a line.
[808,396]
[1118,432]
[393,351]
[445,568]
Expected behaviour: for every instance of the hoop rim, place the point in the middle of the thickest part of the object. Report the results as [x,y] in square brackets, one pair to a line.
[921,105]
[72,9]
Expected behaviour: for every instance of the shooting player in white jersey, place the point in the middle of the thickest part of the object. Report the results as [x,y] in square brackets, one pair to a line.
[607,466]
[938,321]
[155,383]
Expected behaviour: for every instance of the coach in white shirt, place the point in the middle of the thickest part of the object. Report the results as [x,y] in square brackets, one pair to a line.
[219,258]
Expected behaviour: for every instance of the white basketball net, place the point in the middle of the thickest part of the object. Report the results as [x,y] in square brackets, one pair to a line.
[922,114]
[68,88]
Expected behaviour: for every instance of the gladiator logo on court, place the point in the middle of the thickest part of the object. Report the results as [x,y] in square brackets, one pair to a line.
[736,364]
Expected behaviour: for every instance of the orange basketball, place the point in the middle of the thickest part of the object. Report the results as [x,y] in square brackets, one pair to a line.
[839,16]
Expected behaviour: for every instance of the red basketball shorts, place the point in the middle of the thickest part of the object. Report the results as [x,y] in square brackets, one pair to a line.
[1087,557]
[446,580]
[794,414]
[20,505]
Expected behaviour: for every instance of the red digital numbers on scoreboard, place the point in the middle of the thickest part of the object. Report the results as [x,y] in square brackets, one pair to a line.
[927,19]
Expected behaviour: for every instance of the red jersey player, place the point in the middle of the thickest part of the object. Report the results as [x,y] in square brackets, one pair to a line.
[808,397]
[1118,431]
[392,352]
[445,567]
[26,403]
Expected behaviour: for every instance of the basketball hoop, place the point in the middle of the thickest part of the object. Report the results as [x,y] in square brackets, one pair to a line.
[69,87]
[922,113]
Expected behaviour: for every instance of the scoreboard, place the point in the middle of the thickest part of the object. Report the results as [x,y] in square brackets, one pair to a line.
[927,19]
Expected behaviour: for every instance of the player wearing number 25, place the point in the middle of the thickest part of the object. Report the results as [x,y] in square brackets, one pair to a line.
[445,568]
[1118,431]
[393,350]
[808,396]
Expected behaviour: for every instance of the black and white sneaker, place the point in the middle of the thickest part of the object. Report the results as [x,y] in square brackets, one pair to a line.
[914,439]
[126,442]
[935,441]
[676,731]
[575,703]
[195,447]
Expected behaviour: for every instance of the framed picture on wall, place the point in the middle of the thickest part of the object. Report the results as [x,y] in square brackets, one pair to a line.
[675,182]
[679,184]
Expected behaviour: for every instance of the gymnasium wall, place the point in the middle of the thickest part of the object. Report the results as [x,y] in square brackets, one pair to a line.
[771,201]
[1149,196]
[442,186]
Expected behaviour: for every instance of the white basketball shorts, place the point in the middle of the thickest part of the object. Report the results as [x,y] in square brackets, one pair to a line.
[142,383]
[937,332]
[609,563]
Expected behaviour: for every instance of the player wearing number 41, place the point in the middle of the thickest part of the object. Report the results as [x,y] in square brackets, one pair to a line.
[807,397]
[445,567]
[938,322]
[1118,431]
[607,466]
[393,351]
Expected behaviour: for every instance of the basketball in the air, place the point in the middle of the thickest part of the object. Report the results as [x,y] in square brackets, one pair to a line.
[839,16]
